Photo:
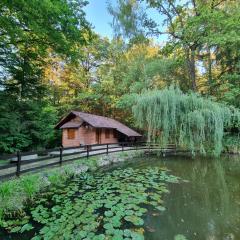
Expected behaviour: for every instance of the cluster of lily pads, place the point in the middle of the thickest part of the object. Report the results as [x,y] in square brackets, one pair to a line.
[104,205]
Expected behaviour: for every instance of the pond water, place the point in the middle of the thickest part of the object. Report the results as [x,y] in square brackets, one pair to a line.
[204,207]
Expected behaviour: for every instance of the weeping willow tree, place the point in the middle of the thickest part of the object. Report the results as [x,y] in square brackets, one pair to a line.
[188,120]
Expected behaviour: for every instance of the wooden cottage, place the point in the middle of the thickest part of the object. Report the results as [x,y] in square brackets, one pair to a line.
[79,128]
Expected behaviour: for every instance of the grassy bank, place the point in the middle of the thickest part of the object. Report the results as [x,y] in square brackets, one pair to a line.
[16,193]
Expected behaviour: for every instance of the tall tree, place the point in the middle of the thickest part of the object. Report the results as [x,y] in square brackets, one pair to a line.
[128,16]
[199,29]
[29,31]
[187,120]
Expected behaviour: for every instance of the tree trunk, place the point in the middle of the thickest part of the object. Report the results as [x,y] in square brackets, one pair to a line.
[190,57]
[209,62]
[192,70]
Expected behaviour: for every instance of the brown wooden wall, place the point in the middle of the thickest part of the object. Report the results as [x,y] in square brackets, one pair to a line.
[87,136]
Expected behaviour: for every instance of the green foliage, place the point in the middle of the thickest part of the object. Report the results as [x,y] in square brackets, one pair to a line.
[15,193]
[113,202]
[185,119]
[127,19]
[26,125]
[29,35]
[199,33]
[31,31]
[52,63]
[231,143]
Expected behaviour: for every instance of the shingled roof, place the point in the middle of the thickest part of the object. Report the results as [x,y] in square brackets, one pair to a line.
[97,122]
[71,124]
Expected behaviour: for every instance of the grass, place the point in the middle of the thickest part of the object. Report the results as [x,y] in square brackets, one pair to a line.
[3,162]
[17,192]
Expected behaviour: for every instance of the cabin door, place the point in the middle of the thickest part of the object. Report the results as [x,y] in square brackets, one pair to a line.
[98,135]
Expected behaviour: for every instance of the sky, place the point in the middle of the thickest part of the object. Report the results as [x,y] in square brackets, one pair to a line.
[97,14]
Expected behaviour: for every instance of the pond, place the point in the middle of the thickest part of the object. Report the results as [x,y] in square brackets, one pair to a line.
[195,199]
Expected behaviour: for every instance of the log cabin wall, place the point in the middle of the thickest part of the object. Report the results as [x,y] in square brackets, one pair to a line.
[86,135]
[107,136]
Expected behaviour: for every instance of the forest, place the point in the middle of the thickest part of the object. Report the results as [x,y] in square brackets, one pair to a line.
[52,61]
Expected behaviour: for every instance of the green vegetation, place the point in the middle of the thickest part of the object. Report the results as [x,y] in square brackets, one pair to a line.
[231,143]
[17,192]
[28,37]
[3,162]
[111,206]
[186,119]
[53,62]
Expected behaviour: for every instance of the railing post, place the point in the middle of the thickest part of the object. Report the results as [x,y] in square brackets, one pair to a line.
[107,148]
[87,151]
[18,164]
[122,147]
[60,155]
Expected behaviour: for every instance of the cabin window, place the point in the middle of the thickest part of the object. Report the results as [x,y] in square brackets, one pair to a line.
[107,133]
[71,133]
[115,135]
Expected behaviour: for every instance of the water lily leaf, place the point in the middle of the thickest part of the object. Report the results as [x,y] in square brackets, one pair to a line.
[127,232]
[116,222]
[108,226]
[160,208]
[180,237]
[15,229]
[26,227]
[99,237]
[108,213]
[135,220]
[36,238]
[129,212]
[117,237]
[137,236]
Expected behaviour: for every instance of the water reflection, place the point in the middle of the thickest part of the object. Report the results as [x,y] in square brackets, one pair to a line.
[207,207]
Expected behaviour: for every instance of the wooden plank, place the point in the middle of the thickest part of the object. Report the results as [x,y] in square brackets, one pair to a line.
[7,156]
[9,165]
[39,167]
[91,152]
[69,154]
[24,162]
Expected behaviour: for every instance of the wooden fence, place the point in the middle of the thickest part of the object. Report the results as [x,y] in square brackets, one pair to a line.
[23,162]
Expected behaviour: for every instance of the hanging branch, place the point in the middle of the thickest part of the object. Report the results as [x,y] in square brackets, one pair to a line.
[188,120]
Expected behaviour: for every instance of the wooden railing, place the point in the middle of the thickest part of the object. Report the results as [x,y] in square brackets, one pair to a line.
[23,162]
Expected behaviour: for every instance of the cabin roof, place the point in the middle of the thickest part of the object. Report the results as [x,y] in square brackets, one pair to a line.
[71,125]
[97,122]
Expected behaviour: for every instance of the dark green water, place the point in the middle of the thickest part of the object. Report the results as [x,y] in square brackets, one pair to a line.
[206,207]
